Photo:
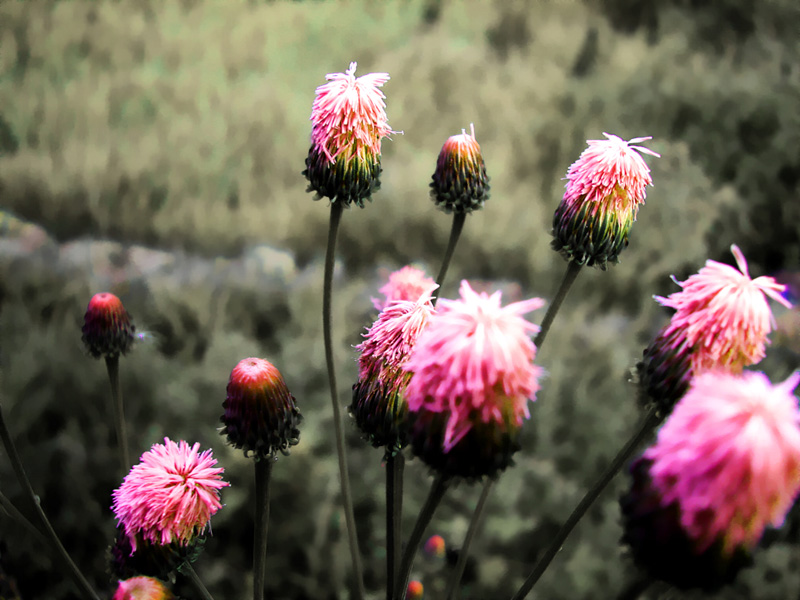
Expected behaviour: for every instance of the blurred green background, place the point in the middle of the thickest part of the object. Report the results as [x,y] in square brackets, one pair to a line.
[154,150]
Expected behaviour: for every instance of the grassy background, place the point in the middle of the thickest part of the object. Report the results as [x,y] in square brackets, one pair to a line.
[154,149]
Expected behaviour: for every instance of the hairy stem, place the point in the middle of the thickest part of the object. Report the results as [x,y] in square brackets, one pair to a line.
[648,423]
[573,269]
[439,487]
[263,468]
[455,233]
[112,365]
[395,465]
[188,570]
[347,499]
[77,577]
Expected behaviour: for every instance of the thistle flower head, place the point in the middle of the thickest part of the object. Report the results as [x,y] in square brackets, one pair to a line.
[261,415]
[170,496]
[729,456]
[725,465]
[378,403]
[460,183]
[348,122]
[408,283]
[604,189]
[472,371]
[724,315]
[142,588]
[107,327]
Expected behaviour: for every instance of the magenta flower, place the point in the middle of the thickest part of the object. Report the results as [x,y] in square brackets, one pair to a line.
[726,464]
[169,496]
[348,122]
[378,403]
[721,321]
[142,588]
[473,367]
[724,315]
[408,283]
[605,187]
[460,183]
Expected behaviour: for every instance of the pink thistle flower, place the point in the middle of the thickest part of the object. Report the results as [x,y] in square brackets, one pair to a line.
[107,327]
[460,183]
[348,122]
[170,496]
[142,588]
[722,320]
[408,283]
[378,404]
[604,189]
[724,314]
[725,466]
[261,415]
[473,366]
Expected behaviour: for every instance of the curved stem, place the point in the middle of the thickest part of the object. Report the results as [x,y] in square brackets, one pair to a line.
[439,487]
[61,553]
[649,422]
[395,465]
[189,571]
[455,233]
[112,365]
[14,513]
[347,499]
[263,469]
[573,269]
[455,578]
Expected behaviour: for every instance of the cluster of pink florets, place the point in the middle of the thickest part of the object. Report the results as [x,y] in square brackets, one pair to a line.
[170,495]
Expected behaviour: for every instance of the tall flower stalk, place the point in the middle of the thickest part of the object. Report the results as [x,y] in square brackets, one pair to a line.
[604,190]
[349,121]
[261,417]
[108,332]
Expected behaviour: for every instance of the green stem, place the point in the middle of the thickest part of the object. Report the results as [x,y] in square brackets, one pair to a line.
[14,513]
[263,469]
[439,487]
[395,465]
[458,572]
[347,499]
[61,553]
[455,233]
[112,365]
[573,269]
[649,422]
[188,570]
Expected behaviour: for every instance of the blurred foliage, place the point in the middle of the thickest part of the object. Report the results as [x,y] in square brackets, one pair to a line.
[154,149]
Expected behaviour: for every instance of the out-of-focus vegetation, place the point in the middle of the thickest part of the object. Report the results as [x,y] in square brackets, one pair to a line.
[154,149]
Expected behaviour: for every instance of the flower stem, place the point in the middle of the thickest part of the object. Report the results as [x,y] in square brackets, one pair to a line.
[649,422]
[455,233]
[458,572]
[347,499]
[439,487]
[566,283]
[112,365]
[573,269]
[189,571]
[263,471]
[395,464]
[61,553]
[14,513]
